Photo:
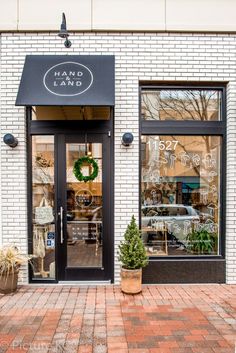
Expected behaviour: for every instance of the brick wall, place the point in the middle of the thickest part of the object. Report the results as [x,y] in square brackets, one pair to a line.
[150,56]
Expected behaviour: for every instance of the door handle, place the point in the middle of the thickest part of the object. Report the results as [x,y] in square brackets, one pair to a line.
[61,224]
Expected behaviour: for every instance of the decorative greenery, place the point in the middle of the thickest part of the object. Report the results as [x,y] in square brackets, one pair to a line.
[11,260]
[132,253]
[202,242]
[78,166]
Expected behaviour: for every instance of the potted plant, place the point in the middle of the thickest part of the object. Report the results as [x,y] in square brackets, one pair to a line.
[10,262]
[201,242]
[133,257]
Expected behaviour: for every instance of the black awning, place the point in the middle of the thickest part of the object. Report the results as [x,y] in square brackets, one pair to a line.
[67,80]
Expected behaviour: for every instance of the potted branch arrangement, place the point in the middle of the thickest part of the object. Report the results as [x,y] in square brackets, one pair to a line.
[10,262]
[133,257]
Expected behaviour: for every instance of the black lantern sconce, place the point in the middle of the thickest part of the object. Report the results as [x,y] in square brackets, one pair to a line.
[64,33]
[10,140]
[127,139]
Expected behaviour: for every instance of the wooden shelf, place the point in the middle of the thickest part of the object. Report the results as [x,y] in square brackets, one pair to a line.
[158,245]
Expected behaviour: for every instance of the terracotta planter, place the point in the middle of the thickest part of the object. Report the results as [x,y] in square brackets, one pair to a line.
[131,281]
[8,284]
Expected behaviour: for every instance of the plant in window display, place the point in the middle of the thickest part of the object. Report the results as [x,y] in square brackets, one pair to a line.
[202,242]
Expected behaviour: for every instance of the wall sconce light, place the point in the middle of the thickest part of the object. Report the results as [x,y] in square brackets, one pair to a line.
[10,140]
[64,33]
[127,139]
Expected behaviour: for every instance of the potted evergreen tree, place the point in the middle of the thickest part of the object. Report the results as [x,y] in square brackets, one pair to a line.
[133,257]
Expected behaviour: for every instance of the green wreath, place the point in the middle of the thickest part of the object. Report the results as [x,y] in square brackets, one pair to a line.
[78,166]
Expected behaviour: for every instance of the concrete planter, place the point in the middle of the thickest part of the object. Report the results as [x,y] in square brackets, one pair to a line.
[8,283]
[131,281]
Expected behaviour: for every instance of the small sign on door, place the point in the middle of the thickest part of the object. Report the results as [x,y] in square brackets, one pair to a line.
[50,241]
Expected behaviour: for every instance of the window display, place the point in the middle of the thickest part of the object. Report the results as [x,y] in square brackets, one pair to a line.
[180,194]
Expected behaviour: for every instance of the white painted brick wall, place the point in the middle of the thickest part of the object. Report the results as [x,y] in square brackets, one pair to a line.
[138,57]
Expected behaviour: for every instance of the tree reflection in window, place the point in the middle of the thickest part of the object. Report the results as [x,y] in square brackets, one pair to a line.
[202,105]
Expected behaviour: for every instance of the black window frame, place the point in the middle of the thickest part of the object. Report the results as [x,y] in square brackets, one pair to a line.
[191,128]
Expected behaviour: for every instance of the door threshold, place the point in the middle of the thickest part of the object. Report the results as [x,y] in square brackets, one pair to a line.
[85,283]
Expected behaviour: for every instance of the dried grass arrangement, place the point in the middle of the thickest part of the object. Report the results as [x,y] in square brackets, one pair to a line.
[10,261]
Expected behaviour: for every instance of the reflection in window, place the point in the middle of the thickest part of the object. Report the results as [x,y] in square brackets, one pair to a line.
[162,104]
[181,194]
[43,237]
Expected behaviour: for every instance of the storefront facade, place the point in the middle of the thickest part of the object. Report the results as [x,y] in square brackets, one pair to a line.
[176,93]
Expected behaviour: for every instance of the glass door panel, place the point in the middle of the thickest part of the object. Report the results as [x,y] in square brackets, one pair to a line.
[85,243]
[43,209]
[84,208]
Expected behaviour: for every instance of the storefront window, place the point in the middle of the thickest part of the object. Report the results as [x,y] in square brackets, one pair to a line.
[43,234]
[180,104]
[180,194]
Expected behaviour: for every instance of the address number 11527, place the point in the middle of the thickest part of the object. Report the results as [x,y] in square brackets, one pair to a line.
[163,145]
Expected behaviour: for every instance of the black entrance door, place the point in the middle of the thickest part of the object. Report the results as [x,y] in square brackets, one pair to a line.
[84,220]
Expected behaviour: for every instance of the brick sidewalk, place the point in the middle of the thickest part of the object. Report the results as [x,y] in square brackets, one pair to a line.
[163,319]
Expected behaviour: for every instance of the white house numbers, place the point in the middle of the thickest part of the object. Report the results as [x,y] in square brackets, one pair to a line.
[168,145]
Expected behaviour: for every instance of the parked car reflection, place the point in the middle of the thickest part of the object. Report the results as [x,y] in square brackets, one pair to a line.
[178,219]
